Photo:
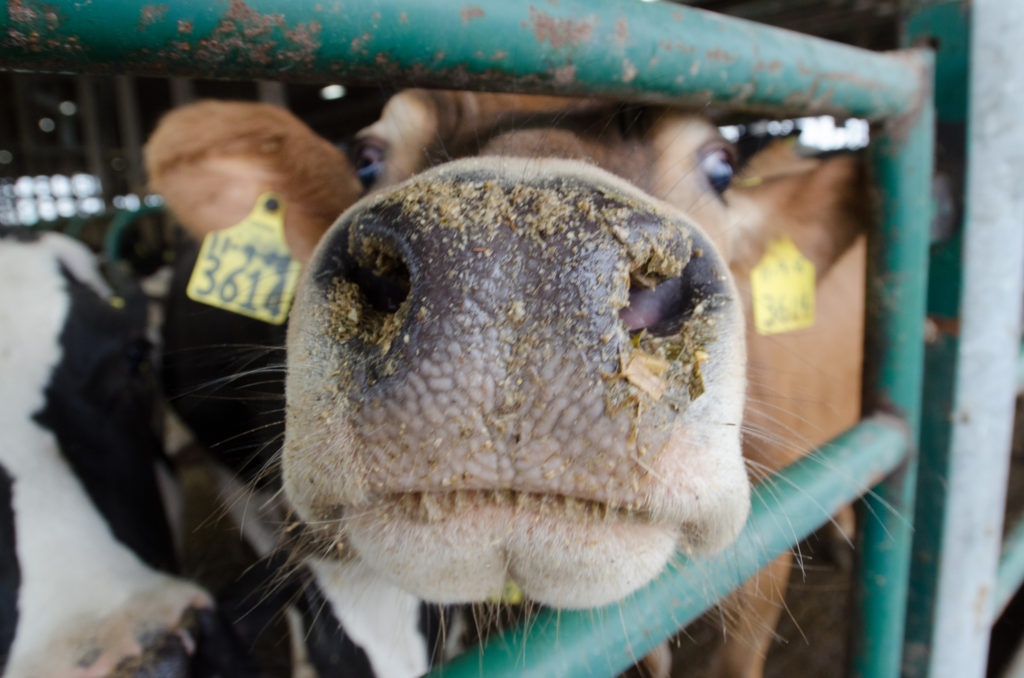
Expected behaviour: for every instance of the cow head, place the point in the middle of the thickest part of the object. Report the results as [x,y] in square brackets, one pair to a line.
[521,355]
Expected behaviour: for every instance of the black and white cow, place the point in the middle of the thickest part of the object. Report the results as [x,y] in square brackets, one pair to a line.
[85,547]
[222,377]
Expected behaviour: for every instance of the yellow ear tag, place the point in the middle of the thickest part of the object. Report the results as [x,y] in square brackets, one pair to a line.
[510,594]
[782,288]
[246,269]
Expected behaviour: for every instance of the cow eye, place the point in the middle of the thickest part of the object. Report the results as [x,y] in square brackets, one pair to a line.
[369,161]
[717,165]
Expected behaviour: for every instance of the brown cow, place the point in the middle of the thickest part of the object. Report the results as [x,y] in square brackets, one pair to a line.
[530,363]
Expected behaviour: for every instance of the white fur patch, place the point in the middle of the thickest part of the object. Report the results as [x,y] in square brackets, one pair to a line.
[83,594]
[381,618]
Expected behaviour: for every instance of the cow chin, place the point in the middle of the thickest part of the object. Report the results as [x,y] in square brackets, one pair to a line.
[468,556]
[464,545]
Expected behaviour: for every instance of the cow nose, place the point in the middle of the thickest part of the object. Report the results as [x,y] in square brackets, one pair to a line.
[483,327]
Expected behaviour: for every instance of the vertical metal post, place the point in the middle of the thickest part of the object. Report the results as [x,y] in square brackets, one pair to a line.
[183,91]
[897,275]
[944,23]
[26,124]
[985,378]
[273,93]
[131,131]
[85,88]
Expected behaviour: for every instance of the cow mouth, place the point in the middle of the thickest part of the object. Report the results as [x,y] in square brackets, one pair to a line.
[463,546]
[427,507]
[433,506]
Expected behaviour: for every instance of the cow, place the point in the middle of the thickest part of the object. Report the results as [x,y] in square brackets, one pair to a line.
[527,352]
[87,552]
[221,376]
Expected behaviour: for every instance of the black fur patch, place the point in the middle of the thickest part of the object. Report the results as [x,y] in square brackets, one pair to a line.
[10,572]
[224,375]
[332,652]
[102,405]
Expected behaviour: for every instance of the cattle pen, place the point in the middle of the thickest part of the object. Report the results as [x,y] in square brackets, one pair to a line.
[943,344]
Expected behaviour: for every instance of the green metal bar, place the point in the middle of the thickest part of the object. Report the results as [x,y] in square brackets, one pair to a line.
[786,508]
[1011,569]
[642,51]
[981,418]
[897,276]
[122,221]
[946,24]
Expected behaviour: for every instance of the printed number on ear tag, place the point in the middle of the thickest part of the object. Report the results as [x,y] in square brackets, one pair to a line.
[246,269]
[782,289]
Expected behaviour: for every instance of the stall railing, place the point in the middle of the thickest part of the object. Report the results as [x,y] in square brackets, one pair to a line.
[656,52]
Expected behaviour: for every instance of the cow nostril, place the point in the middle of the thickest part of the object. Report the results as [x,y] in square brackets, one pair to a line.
[365,274]
[657,308]
[660,306]
[381,276]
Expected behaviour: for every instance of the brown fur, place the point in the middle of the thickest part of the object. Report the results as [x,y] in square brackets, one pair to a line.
[211,160]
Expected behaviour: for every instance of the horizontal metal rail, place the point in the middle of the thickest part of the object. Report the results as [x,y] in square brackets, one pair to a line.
[638,51]
[786,508]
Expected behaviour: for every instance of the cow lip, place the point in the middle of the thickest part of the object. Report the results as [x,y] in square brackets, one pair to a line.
[468,556]
[324,535]
[436,505]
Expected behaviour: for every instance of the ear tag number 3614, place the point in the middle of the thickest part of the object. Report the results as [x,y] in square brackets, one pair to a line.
[246,269]
[782,289]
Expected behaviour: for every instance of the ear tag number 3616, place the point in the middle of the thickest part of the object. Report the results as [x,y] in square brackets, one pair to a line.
[782,289]
[246,269]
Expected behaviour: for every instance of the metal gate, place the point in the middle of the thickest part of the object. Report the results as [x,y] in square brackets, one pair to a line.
[662,52]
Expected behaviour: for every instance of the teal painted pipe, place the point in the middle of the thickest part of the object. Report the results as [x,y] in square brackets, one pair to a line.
[607,641]
[946,24]
[119,225]
[644,51]
[894,358]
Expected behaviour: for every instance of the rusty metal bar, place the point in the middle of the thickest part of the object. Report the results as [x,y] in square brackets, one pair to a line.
[641,51]
[990,315]
[893,371]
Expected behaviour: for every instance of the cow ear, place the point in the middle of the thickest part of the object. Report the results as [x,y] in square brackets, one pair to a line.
[821,205]
[211,161]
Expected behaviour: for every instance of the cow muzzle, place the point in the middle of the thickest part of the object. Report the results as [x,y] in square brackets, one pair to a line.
[510,368]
